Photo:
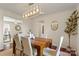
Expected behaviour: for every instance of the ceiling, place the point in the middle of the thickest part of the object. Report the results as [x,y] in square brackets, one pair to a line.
[46,8]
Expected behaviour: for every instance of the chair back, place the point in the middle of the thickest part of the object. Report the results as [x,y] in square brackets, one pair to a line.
[51,52]
[17,42]
[60,43]
[27,48]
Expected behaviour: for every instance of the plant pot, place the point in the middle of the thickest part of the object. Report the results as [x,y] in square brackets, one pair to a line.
[68,48]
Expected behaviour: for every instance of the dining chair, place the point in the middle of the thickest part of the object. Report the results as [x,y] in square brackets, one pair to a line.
[27,47]
[51,52]
[18,45]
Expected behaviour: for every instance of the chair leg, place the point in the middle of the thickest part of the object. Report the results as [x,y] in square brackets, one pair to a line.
[23,54]
[20,53]
[13,55]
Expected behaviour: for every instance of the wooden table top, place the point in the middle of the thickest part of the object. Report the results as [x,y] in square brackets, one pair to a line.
[38,43]
[41,41]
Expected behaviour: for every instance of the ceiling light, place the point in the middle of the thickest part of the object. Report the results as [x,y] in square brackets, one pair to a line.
[37,10]
[34,12]
[31,13]
[28,14]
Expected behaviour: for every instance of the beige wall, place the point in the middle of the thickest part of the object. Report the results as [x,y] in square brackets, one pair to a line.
[61,18]
[77,40]
[26,26]
[1,32]
[9,14]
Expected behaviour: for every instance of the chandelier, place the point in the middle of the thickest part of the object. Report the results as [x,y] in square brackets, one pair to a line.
[32,11]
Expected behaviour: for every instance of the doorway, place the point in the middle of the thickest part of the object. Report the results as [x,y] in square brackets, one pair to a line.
[9,30]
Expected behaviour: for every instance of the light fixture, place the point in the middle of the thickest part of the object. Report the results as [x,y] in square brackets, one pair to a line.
[32,11]
[37,10]
[28,14]
[25,15]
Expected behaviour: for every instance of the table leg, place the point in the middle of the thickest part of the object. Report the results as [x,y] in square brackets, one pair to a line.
[41,51]
[38,51]
[14,50]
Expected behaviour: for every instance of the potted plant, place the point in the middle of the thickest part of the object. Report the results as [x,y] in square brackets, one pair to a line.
[71,26]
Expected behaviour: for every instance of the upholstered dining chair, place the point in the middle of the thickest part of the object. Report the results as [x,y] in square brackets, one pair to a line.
[18,45]
[27,48]
[51,52]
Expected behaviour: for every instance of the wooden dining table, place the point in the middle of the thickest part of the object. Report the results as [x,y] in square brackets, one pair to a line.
[39,44]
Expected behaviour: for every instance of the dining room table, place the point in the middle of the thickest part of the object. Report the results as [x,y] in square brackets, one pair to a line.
[39,44]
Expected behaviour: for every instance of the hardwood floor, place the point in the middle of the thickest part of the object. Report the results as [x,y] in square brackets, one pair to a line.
[8,52]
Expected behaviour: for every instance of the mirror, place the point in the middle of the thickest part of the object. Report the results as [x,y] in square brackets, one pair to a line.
[17,27]
[54,25]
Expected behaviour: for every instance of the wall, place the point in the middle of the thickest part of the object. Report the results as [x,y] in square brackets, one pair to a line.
[61,18]
[77,40]
[26,26]
[9,14]
[1,36]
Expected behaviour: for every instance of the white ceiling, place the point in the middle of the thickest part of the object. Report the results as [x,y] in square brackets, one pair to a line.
[47,8]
